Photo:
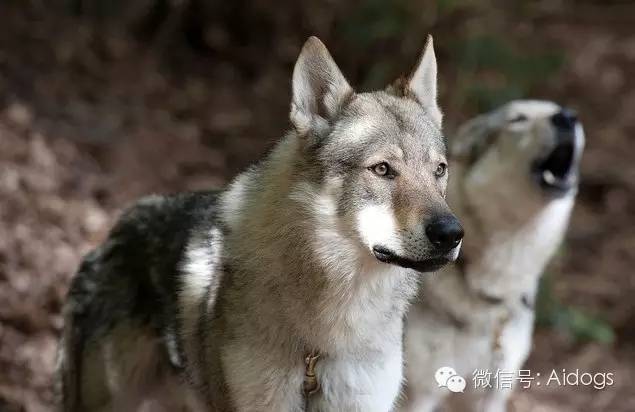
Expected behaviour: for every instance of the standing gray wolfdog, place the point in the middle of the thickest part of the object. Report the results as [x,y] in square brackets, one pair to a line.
[286,291]
[515,173]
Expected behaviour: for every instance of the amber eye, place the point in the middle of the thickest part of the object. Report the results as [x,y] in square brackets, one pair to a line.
[381,169]
[441,170]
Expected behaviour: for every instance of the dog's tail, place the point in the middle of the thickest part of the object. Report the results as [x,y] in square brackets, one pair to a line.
[69,362]
[71,347]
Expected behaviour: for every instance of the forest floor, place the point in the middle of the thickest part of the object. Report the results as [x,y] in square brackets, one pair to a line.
[86,127]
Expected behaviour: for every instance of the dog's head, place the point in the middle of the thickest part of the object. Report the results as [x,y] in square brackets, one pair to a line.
[519,157]
[379,160]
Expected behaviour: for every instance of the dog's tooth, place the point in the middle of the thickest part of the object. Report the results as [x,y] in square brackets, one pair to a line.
[549,177]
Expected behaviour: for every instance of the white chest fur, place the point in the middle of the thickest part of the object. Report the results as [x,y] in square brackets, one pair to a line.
[370,384]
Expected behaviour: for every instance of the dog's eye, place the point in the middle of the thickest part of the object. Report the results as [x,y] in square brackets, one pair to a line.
[519,118]
[441,170]
[381,169]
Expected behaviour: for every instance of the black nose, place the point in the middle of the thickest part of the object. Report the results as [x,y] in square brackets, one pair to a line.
[445,232]
[565,120]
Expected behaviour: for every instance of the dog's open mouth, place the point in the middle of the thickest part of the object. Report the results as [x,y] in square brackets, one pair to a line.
[427,265]
[557,173]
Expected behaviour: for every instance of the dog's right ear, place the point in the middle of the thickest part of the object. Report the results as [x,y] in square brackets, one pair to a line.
[319,89]
[422,83]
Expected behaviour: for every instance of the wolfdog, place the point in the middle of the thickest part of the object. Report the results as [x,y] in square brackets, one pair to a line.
[515,174]
[287,290]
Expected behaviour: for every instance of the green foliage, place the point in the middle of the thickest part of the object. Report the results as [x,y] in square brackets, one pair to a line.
[500,72]
[491,65]
[576,323]
[376,20]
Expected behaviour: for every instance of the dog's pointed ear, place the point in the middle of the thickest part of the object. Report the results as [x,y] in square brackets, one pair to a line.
[319,88]
[422,82]
[472,139]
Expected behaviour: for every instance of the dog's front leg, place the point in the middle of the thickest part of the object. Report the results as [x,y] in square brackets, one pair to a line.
[262,379]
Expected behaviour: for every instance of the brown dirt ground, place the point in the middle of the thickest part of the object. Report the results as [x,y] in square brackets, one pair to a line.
[86,127]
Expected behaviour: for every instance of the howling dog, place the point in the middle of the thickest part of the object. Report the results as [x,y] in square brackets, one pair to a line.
[515,174]
[286,291]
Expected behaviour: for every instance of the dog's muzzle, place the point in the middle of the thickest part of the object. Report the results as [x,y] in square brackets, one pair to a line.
[557,172]
[445,233]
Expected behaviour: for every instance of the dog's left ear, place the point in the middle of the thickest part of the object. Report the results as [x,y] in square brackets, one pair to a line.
[422,82]
[319,89]
[472,139]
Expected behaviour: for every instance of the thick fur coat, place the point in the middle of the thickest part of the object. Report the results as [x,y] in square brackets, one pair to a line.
[514,183]
[212,301]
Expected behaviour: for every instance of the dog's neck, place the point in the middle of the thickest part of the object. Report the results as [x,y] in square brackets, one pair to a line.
[505,257]
[502,258]
[285,239]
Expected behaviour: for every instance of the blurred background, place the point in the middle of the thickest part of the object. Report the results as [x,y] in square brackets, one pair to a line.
[103,101]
